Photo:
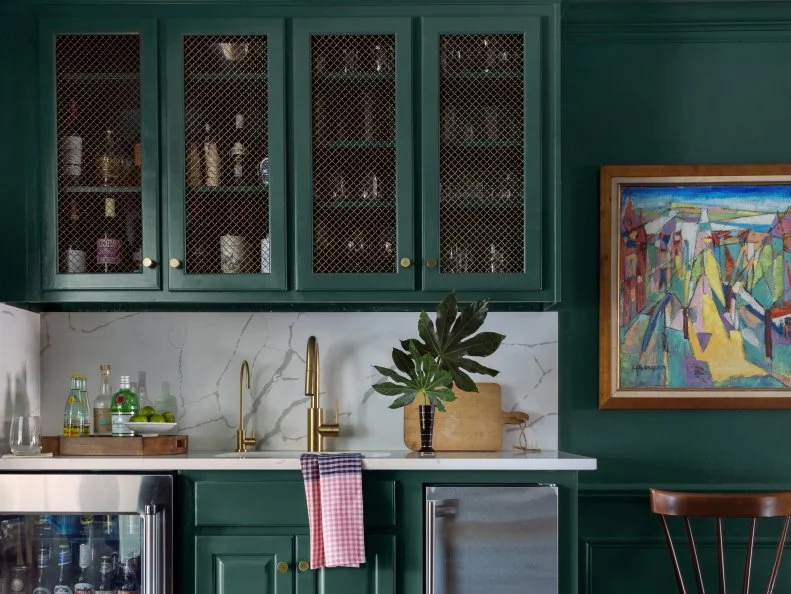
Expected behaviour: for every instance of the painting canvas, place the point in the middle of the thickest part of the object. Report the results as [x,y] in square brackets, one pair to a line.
[698,286]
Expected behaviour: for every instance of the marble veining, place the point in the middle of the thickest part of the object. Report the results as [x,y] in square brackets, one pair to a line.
[200,354]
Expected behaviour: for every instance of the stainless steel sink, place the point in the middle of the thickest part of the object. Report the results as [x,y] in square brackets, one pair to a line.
[290,454]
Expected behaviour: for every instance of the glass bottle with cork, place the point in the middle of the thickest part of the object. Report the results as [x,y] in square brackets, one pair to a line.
[102,416]
[75,415]
[124,406]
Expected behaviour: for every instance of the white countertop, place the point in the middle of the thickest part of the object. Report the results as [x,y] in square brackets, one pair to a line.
[289,460]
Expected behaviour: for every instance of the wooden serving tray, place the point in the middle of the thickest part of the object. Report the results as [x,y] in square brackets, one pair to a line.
[160,445]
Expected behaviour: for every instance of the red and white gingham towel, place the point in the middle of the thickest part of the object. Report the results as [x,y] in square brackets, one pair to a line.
[334,492]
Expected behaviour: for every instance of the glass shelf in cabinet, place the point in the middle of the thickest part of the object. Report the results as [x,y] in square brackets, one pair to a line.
[213,76]
[101,189]
[483,75]
[472,144]
[358,144]
[251,189]
[353,76]
[98,76]
[482,203]
[363,204]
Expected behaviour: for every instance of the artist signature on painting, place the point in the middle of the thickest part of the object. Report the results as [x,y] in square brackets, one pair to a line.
[647,367]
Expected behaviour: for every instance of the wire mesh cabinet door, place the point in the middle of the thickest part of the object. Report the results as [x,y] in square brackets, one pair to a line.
[482,125]
[99,154]
[226,155]
[353,154]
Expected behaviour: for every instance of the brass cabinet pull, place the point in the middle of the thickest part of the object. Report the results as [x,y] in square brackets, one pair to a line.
[431,262]
[149,263]
[406,262]
[175,263]
[303,566]
[282,567]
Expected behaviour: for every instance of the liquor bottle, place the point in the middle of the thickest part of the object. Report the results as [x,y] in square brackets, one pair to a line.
[63,582]
[71,147]
[74,413]
[86,406]
[109,162]
[108,246]
[19,580]
[102,417]
[211,159]
[43,583]
[127,579]
[73,256]
[238,151]
[84,583]
[106,582]
[124,406]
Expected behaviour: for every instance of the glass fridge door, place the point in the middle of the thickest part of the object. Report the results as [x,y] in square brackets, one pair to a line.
[61,534]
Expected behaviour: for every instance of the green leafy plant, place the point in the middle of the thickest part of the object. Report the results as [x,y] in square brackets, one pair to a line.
[441,358]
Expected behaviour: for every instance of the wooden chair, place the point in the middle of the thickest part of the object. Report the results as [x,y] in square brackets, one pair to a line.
[719,506]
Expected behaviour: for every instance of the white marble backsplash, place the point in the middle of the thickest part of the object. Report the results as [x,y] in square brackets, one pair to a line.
[200,355]
[19,366]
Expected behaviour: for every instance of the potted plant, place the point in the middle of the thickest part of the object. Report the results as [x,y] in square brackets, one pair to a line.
[431,366]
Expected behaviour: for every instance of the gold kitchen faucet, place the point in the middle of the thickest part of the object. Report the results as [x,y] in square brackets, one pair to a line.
[317,429]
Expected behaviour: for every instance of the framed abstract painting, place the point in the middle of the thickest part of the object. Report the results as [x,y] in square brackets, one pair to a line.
[695,286]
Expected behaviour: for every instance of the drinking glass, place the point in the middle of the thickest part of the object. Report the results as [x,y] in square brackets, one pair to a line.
[25,435]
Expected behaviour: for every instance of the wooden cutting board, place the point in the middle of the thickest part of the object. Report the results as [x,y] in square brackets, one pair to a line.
[473,422]
[160,445]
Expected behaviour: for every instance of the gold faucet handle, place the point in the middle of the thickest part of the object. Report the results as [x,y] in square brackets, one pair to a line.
[251,441]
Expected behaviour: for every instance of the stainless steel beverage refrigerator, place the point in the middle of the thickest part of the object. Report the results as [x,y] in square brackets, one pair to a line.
[86,534]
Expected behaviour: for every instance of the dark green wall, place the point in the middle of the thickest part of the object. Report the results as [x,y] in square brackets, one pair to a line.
[665,84]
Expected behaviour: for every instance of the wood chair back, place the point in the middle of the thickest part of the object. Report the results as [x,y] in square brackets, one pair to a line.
[719,506]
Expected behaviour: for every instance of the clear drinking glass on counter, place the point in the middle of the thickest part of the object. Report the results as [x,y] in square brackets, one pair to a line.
[25,435]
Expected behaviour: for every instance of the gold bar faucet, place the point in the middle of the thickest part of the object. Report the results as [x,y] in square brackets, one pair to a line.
[317,429]
[242,441]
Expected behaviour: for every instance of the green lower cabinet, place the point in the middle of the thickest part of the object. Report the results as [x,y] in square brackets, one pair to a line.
[376,576]
[234,564]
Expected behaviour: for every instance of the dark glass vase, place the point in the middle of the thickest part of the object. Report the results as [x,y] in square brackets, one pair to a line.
[426,415]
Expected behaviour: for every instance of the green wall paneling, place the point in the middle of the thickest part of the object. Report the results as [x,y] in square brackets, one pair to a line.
[401,278]
[49,29]
[655,83]
[173,107]
[530,27]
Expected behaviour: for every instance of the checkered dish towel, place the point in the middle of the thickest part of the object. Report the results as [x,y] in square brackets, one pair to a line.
[334,492]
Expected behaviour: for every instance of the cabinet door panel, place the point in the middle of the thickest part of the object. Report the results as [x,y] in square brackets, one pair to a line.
[482,158]
[233,564]
[227,188]
[100,154]
[353,135]
[376,576]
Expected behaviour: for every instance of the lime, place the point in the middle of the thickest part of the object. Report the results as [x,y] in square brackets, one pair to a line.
[156,419]
[169,417]
[147,411]
[139,419]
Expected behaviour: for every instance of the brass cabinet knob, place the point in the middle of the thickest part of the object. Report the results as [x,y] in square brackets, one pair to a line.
[282,567]
[175,263]
[406,262]
[149,263]
[303,566]
[431,262]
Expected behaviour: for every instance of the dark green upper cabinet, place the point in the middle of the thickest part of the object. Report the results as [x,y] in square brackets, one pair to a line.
[100,154]
[482,153]
[353,160]
[226,154]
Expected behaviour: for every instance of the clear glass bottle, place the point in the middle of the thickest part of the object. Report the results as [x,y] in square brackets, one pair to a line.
[64,581]
[109,161]
[238,151]
[124,406]
[84,584]
[86,406]
[102,417]
[74,421]
[108,246]
[166,404]
[43,583]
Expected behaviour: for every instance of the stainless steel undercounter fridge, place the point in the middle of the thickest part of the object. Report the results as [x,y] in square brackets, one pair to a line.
[491,539]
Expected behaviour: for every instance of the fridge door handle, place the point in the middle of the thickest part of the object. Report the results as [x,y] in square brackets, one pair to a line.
[430,524]
[153,549]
